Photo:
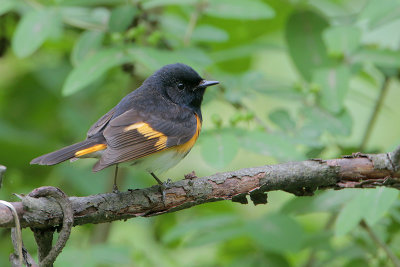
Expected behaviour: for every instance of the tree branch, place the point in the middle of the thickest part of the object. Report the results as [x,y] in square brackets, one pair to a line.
[300,178]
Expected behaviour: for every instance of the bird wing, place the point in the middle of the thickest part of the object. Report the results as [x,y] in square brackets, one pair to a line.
[99,125]
[134,134]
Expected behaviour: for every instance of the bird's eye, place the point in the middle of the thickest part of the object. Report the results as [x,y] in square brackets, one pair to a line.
[181,86]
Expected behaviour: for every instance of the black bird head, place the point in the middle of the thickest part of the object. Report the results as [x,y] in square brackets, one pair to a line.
[181,84]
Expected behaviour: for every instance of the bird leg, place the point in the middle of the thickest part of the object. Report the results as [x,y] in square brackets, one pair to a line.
[115,187]
[155,177]
[163,185]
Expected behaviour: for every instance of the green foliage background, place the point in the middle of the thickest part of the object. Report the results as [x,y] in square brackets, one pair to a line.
[299,79]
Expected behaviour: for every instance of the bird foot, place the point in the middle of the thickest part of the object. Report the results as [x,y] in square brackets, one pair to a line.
[115,189]
[164,186]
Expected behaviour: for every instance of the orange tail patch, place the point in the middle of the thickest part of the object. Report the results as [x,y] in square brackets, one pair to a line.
[89,150]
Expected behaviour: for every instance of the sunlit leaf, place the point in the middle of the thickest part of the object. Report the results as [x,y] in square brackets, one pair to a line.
[342,40]
[237,9]
[86,18]
[92,68]
[154,59]
[34,28]
[89,2]
[381,58]
[379,13]
[334,84]
[207,33]
[158,3]
[88,44]
[304,38]
[337,8]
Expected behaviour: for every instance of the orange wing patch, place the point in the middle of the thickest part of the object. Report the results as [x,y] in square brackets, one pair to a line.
[89,150]
[148,132]
[189,144]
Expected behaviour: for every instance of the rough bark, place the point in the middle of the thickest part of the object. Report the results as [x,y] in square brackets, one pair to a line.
[299,178]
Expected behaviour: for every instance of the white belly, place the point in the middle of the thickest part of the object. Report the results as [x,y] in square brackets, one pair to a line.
[159,162]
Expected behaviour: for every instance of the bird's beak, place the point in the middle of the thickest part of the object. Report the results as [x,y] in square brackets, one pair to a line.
[205,83]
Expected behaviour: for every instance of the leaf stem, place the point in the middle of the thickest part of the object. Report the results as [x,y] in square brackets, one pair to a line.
[194,17]
[374,115]
[380,243]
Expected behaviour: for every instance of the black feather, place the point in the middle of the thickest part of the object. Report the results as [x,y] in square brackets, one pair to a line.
[66,153]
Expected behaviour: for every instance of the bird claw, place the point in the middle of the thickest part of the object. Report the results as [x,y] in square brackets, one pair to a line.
[115,189]
[163,186]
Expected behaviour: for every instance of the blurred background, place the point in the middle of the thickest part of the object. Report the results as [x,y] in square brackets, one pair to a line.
[299,79]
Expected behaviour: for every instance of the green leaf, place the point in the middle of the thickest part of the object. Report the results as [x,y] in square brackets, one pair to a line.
[304,38]
[381,58]
[159,3]
[369,204]
[357,263]
[189,227]
[6,5]
[89,2]
[92,68]
[379,13]
[242,51]
[327,201]
[96,255]
[282,118]
[86,18]
[208,33]
[222,234]
[335,84]
[34,28]
[350,215]
[88,44]
[219,148]
[379,201]
[154,59]
[121,17]
[342,40]
[276,146]
[276,232]
[238,9]
[320,121]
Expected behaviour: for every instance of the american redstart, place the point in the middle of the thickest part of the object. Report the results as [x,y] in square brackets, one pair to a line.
[153,127]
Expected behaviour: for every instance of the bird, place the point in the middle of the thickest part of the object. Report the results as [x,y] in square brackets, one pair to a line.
[153,128]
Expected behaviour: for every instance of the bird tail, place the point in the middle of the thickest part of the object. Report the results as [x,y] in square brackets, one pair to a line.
[73,151]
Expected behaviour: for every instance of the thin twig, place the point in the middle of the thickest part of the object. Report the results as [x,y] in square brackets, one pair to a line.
[68,220]
[16,235]
[2,171]
[374,115]
[380,243]
[194,17]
